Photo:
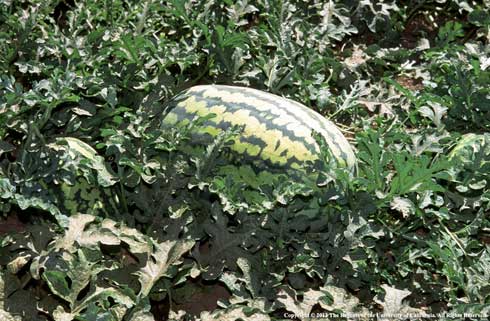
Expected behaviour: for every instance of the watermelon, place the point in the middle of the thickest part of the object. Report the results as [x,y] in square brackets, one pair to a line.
[276,134]
[86,192]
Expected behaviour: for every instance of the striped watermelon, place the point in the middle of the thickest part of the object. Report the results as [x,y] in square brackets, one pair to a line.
[277,132]
[83,195]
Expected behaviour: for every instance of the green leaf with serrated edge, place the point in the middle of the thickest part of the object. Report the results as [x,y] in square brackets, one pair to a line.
[96,162]
[74,232]
[338,299]
[252,279]
[159,261]
[287,298]
[7,190]
[224,247]
[57,282]
[392,302]
[101,295]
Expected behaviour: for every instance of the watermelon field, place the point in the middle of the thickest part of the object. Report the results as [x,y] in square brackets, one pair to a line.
[244,160]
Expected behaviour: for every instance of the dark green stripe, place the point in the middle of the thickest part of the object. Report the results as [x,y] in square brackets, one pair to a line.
[273,101]
[200,140]
[258,142]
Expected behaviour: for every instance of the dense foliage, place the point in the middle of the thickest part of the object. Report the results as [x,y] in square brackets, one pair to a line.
[163,237]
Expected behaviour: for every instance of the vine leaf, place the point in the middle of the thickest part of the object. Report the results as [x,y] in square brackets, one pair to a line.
[166,254]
